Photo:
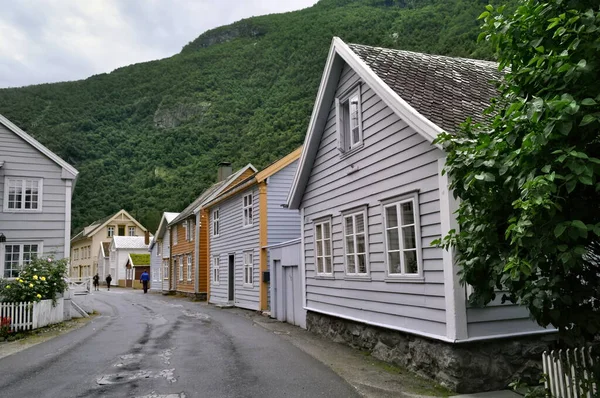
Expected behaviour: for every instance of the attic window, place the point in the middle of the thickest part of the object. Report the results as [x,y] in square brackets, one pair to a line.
[349,120]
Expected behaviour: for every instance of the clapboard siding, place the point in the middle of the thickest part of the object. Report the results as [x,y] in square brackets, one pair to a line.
[156,267]
[395,160]
[48,226]
[282,224]
[236,239]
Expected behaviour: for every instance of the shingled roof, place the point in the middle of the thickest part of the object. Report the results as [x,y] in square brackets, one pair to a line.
[445,90]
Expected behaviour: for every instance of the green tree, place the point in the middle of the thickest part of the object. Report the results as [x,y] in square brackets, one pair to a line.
[528,180]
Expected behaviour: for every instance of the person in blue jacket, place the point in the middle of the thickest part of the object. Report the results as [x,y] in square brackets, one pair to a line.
[145,278]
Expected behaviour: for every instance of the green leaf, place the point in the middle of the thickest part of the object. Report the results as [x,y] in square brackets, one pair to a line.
[587,119]
[579,225]
[571,185]
[588,102]
[546,168]
[484,14]
[587,180]
[581,64]
[559,229]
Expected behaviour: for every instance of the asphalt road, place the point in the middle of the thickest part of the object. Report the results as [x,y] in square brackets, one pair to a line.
[154,346]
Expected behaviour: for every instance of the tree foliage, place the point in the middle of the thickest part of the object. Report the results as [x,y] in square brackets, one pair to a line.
[529,181]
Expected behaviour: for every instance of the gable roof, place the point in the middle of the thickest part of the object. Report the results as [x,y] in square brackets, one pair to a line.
[430,93]
[210,193]
[94,227]
[37,145]
[256,178]
[129,242]
[166,218]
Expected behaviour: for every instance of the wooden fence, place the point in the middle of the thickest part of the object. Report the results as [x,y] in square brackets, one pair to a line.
[568,371]
[29,316]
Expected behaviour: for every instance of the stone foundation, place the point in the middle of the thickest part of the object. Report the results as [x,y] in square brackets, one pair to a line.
[191,295]
[464,367]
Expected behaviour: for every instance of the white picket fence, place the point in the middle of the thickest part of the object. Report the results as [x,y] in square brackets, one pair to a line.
[29,316]
[566,371]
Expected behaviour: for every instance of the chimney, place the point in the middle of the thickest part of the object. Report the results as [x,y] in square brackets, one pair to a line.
[147,238]
[224,171]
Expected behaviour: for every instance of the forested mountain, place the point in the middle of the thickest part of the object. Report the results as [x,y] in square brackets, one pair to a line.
[148,137]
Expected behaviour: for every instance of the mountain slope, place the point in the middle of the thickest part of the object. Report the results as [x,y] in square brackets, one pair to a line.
[148,137]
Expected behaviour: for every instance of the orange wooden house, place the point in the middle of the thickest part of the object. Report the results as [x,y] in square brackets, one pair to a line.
[189,237]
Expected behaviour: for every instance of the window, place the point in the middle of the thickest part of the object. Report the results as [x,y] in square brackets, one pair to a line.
[402,238]
[323,247]
[355,243]
[16,255]
[215,270]
[121,230]
[185,230]
[181,267]
[158,248]
[191,228]
[189,267]
[131,231]
[22,194]
[76,254]
[216,222]
[174,233]
[110,231]
[349,120]
[165,269]
[247,210]
[248,268]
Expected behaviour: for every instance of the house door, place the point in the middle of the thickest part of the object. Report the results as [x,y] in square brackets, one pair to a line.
[129,277]
[231,277]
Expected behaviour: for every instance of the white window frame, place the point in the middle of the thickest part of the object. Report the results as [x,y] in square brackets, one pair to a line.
[249,268]
[185,230]
[216,270]
[248,209]
[189,267]
[321,243]
[190,231]
[174,234]
[75,254]
[20,263]
[24,181]
[110,231]
[165,265]
[346,142]
[132,231]
[397,202]
[158,248]
[216,223]
[180,267]
[353,251]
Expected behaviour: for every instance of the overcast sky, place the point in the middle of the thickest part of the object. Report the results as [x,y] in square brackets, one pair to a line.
[43,41]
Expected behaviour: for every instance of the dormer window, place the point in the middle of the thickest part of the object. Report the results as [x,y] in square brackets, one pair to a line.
[349,120]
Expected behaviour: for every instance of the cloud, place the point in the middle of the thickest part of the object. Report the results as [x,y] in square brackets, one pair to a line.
[44,41]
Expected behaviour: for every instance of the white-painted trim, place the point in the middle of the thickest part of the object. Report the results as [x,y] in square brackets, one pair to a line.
[283,244]
[20,242]
[406,112]
[67,249]
[454,292]
[303,257]
[508,335]
[40,207]
[112,219]
[37,145]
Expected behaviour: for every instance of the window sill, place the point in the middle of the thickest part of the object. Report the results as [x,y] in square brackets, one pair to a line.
[247,226]
[358,278]
[352,151]
[327,277]
[405,279]
[22,211]
[248,286]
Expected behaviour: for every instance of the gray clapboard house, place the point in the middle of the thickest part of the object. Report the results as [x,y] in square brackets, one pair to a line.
[160,250]
[372,198]
[244,221]
[35,200]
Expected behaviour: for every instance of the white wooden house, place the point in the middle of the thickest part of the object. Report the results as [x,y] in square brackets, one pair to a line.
[372,198]
[160,253]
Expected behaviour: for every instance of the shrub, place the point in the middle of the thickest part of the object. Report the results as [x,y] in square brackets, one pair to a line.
[4,328]
[42,279]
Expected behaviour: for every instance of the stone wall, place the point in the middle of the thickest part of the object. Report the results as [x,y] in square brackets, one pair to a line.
[464,368]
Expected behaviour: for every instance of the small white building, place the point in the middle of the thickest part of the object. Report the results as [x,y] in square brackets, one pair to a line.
[120,249]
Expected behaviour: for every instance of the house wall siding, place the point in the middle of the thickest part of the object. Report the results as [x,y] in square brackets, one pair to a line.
[235,239]
[283,224]
[395,160]
[183,247]
[47,226]
[156,268]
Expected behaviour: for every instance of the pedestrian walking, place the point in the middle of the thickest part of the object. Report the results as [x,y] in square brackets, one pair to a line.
[108,281]
[145,278]
[96,280]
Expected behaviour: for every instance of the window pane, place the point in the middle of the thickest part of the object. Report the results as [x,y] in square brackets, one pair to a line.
[320,265]
[391,217]
[328,269]
[351,264]
[319,232]
[327,248]
[410,262]
[319,248]
[362,264]
[360,244]
[393,241]
[349,245]
[349,226]
[360,223]
[409,239]
[327,231]
[408,216]
[394,263]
